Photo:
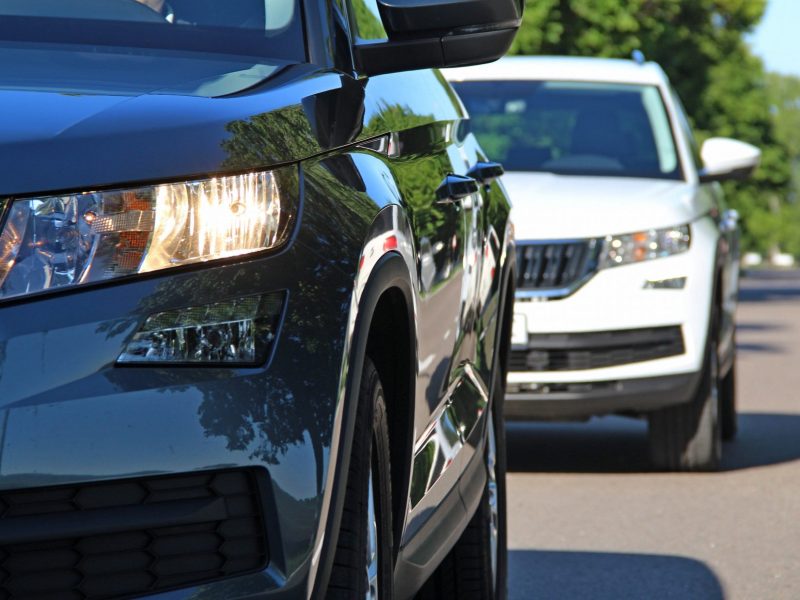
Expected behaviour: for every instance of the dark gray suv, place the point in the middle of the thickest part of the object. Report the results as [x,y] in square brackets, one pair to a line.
[256,279]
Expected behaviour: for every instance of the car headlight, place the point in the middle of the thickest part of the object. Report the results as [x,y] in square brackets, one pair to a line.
[644,245]
[66,240]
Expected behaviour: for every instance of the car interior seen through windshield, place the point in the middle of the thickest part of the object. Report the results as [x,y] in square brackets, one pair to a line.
[229,26]
[573,128]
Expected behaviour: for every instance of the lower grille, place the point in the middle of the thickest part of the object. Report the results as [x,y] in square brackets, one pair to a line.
[581,351]
[130,537]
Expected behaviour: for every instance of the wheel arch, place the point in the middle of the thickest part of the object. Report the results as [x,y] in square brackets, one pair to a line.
[395,363]
[387,292]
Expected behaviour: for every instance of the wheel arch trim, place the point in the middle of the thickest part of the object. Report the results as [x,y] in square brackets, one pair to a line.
[386,263]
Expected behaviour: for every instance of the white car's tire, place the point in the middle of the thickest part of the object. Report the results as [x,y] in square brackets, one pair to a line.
[727,395]
[688,437]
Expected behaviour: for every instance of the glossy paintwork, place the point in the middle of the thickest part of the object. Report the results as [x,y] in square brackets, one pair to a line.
[69,414]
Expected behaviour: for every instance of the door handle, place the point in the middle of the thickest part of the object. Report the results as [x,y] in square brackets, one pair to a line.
[455,188]
[486,172]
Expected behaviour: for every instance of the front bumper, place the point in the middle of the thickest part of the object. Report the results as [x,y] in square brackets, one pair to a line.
[616,300]
[70,416]
[583,400]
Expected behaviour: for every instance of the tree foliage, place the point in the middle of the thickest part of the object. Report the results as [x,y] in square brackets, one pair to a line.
[701,46]
[784,96]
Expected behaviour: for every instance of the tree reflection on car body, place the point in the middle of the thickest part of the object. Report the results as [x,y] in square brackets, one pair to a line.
[161,7]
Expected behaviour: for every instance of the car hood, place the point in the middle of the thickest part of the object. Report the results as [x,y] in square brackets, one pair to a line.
[71,118]
[549,206]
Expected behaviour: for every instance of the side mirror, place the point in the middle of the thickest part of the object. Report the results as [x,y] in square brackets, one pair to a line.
[724,158]
[440,33]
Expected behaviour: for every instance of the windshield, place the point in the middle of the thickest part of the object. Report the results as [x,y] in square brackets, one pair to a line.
[573,128]
[265,28]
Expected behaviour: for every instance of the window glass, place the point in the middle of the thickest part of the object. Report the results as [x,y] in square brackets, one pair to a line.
[683,122]
[266,27]
[573,128]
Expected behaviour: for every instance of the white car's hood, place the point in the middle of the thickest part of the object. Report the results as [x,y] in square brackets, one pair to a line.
[547,206]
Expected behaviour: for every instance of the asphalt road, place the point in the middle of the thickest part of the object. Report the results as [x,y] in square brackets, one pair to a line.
[588,520]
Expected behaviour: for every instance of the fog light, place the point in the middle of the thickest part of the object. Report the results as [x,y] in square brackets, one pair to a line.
[675,283]
[235,332]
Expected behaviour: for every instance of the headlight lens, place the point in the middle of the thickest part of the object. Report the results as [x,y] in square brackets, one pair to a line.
[644,245]
[53,242]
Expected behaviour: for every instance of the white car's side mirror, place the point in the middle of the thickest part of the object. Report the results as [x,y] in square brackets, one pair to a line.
[725,158]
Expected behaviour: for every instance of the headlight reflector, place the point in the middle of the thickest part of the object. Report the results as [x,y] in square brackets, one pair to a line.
[52,242]
[644,245]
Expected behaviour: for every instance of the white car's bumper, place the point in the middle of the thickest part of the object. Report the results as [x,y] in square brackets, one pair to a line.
[562,349]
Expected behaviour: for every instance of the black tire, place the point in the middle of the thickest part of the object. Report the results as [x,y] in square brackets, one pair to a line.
[727,395]
[370,456]
[688,437]
[466,572]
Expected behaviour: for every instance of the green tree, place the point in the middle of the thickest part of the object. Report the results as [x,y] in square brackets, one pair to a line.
[784,96]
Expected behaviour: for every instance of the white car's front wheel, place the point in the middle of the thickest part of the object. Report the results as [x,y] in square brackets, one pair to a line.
[688,437]
[727,391]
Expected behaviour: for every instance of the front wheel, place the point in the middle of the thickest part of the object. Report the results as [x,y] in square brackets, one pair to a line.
[362,566]
[727,395]
[688,437]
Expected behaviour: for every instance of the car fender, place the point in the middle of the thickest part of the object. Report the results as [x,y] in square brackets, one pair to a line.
[387,262]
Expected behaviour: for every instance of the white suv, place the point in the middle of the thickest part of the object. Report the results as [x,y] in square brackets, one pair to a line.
[627,256]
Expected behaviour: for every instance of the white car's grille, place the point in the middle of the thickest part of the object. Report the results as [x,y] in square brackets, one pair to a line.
[555,269]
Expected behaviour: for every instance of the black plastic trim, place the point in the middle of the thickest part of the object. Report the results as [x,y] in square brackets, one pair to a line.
[24,530]
[91,528]
[593,350]
[433,52]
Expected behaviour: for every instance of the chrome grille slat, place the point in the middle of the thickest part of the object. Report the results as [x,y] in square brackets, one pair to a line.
[555,266]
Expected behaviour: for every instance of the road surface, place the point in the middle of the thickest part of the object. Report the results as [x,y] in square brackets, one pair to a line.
[588,520]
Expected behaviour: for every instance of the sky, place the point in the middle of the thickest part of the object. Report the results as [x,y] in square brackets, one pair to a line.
[776,38]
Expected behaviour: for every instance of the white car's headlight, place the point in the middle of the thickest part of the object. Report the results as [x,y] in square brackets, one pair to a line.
[57,241]
[644,245]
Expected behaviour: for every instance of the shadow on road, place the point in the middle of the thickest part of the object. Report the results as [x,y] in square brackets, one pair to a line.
[769,293]
[608,576]
[759,327]
[764,439]
[767,348]
[606,445]
[619,445]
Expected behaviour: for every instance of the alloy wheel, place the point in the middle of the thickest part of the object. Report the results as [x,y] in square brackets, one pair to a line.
[372,544]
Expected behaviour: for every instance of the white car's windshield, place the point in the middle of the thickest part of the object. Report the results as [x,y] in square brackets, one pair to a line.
[255,27]
[573,128]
